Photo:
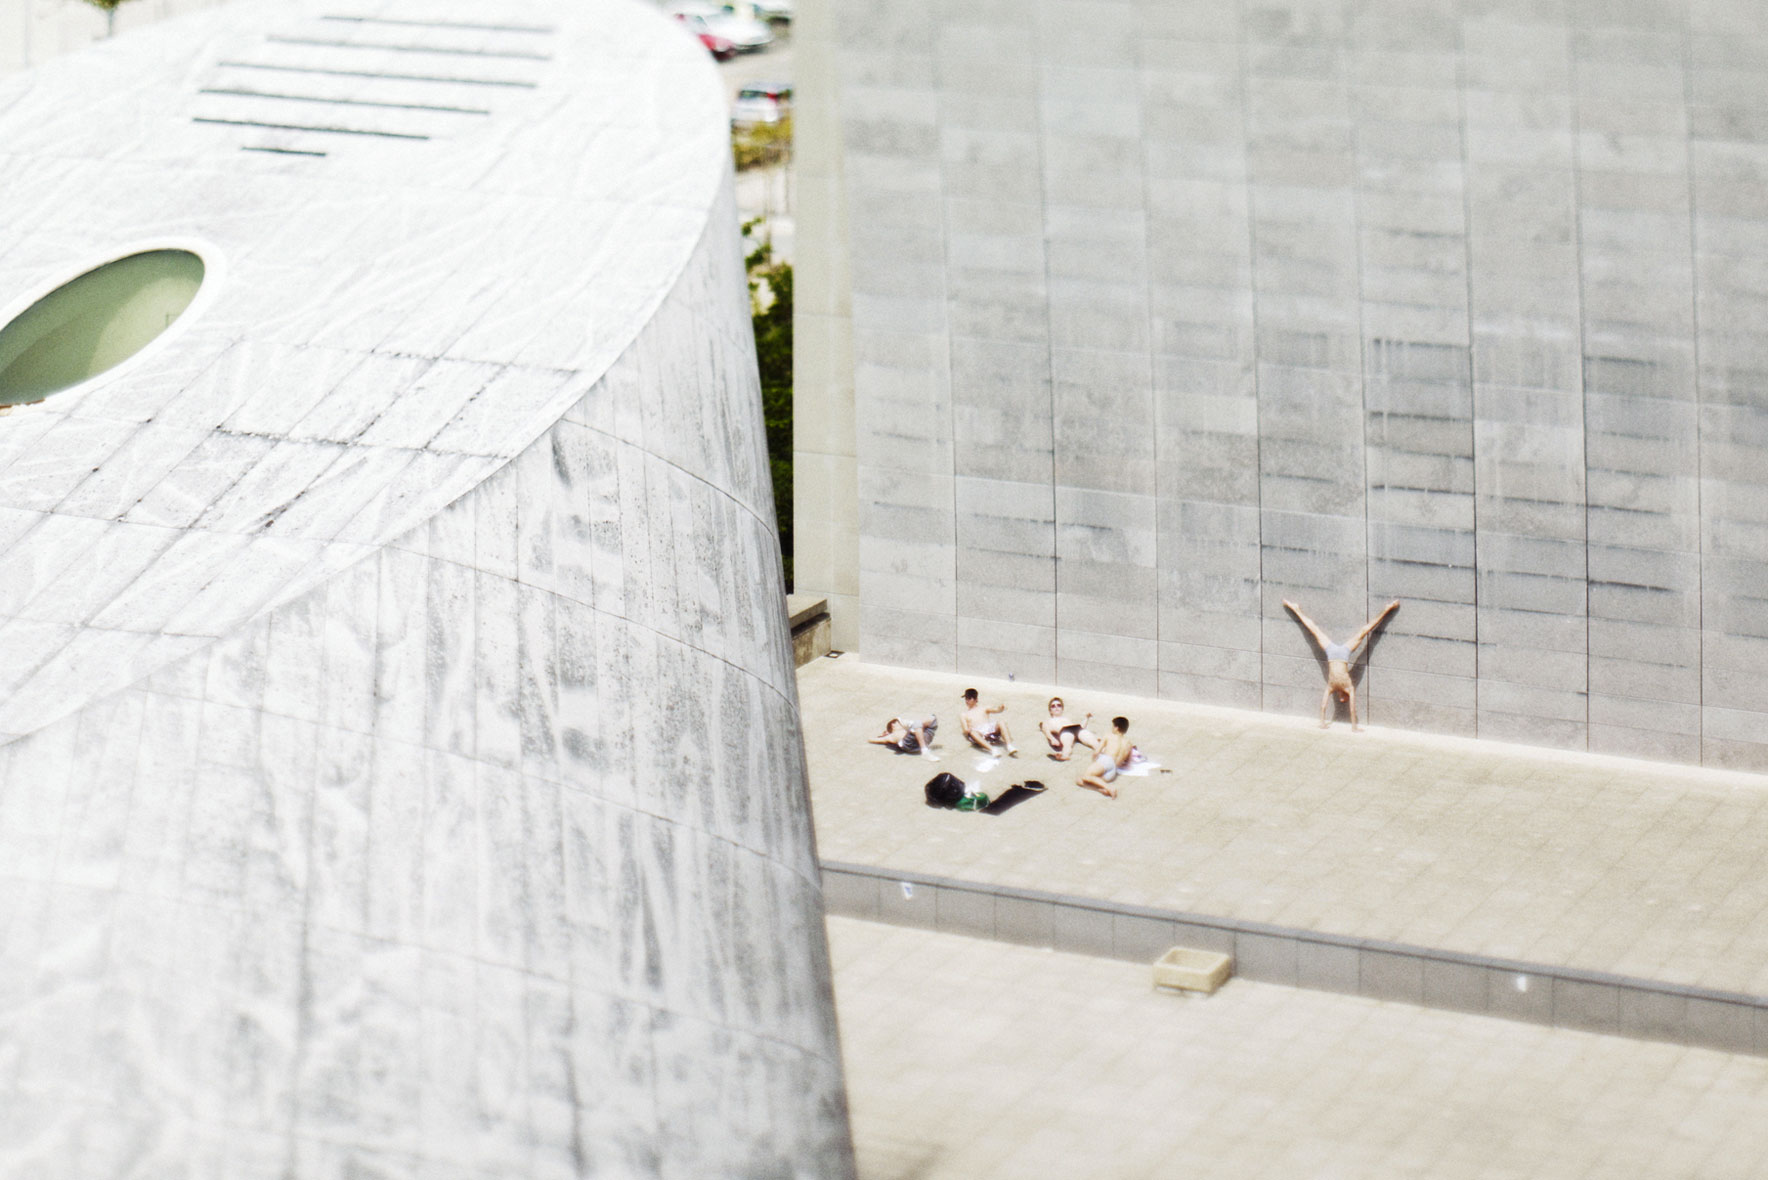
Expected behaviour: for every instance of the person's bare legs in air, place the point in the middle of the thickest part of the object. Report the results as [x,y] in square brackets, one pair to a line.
[1338,660]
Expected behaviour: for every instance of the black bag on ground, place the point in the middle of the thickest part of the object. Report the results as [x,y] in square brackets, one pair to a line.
[1014,795]
[944,789]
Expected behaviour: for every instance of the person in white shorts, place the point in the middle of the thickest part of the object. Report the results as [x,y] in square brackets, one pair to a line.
[1338,660]
[1112,756]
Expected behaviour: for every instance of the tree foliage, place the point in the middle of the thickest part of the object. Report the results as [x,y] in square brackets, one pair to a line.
[770,309]
[762,145]
[110,13]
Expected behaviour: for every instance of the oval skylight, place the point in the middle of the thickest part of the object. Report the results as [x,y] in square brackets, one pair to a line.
[94,322]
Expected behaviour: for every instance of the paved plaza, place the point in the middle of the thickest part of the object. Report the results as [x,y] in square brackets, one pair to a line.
[970,1060]
[1603,864]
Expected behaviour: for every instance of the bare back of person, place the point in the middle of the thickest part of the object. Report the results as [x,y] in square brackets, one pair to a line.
[1112,755]
[1115,748]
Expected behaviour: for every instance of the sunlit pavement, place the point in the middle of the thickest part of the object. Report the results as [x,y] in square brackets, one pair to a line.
[970,1060]
[1605,864]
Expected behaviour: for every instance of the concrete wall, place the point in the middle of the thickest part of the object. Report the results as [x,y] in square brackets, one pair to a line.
[400,772]
[490,856]
[825,469]
[1164,313]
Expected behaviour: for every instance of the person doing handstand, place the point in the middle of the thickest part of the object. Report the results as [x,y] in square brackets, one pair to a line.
[908,735]
[981,728]
[1062,733]
[1338,660]
[1112,756]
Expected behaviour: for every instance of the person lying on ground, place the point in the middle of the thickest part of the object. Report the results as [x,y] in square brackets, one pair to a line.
[982,729]
[1063,733]
[1338,660]
[908,735]
[1112,756]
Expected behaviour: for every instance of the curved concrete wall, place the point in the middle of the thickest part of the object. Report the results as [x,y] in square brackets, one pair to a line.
[1161,314]
[401,772]
[490,856]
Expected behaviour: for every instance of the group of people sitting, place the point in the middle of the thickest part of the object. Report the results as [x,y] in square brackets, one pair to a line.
[985,729]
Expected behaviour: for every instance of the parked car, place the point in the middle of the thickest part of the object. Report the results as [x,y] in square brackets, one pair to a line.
[761,10]
[745,34]
[719,47]
[761,104]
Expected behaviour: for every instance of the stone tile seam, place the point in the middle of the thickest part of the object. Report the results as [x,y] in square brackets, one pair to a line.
[631,445]
[536,774]
[1570,975]
[517,580]
[209,640]
[567,978]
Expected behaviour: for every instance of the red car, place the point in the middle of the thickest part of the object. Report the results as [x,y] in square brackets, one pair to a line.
[717,46]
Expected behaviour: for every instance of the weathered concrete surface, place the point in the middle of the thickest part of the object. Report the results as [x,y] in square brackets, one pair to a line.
[1073,1068]
[400,772]
[1161,314]
[1546,856]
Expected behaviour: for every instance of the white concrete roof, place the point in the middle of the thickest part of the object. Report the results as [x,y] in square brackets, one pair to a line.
[429,227]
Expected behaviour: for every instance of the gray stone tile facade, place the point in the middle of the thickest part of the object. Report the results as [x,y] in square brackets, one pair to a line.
[1164,313]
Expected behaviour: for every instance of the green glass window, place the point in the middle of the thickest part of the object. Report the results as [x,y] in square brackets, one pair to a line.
[94,322]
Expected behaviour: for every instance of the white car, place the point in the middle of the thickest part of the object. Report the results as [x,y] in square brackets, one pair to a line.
[743,33]
[761,104]
[761,10]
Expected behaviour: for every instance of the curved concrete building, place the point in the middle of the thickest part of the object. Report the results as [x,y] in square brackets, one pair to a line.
[34,31]
[399,762]
[1129,321]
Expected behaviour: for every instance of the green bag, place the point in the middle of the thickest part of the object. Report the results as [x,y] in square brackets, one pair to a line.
[974,802]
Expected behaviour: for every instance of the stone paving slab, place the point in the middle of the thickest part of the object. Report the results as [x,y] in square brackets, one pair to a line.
[1599,863]
[975,1059]
[1538,993]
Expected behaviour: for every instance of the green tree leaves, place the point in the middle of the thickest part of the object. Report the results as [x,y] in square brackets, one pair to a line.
[770,310]
[110,13]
